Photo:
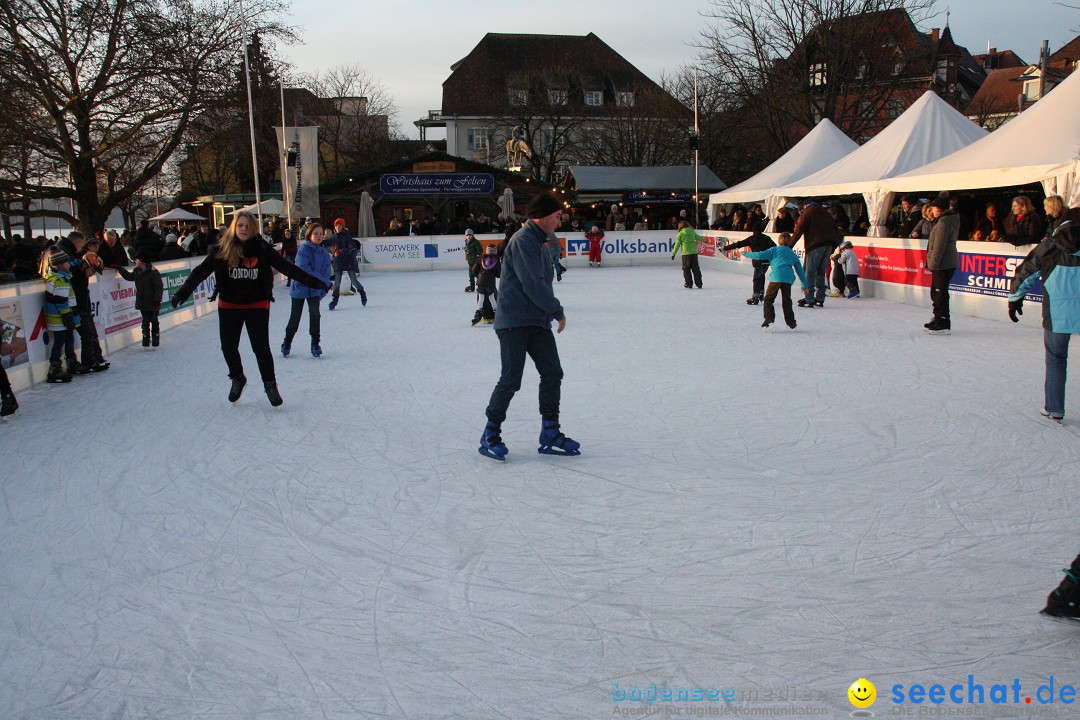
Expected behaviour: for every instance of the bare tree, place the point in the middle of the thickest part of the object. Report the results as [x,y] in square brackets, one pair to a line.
[357,121]
[649,128]
[790,63]
[115,80]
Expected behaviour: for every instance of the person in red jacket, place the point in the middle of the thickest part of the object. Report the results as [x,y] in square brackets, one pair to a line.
[595,236]
[243,266]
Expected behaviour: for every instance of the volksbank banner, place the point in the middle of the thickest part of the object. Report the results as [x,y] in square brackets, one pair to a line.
[437,184]
[424,252]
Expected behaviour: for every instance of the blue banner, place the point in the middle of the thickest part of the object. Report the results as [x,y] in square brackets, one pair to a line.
[986,274]
[437,184]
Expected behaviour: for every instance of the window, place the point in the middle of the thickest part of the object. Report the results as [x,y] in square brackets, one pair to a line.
[519,96]
[898,64]
[894,108]
[557,97]
[861,70]
[624,99]
[594,97]
[479,138]
[1031,90]
[817,75]
[942,73]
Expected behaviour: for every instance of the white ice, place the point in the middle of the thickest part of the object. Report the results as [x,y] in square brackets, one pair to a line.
[751,511]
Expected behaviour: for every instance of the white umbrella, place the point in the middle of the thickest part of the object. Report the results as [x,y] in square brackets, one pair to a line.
[177,215]
[506,203]
[367,217]
[270,206]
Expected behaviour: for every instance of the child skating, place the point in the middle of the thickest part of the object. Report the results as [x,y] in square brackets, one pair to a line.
[486,271]
[148,290]
[785,265]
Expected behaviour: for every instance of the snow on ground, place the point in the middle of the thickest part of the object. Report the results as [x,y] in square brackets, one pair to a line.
[752,511]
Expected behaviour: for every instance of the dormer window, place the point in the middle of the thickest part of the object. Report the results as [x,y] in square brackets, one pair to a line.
[594,98]
[817,75]
[898,64]
[624,99]
[519,97]
[557,97]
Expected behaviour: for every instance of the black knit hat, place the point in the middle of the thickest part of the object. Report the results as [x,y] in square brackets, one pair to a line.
[542,205]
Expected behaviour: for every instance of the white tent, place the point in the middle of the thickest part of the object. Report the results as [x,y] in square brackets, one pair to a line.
[270,206]
[178,214]
[1041,144]
[928,130]
[822,146]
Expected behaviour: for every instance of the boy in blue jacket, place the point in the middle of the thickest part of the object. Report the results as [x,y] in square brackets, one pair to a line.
[785,264]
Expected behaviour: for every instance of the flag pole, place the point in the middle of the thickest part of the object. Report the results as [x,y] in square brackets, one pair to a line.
[697,134]
[251,122]
[286,196]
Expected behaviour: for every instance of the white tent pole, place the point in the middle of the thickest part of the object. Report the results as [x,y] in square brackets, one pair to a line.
[697,144]
[251,120]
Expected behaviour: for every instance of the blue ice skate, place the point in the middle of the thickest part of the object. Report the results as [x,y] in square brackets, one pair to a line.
[491,444]
[553,442]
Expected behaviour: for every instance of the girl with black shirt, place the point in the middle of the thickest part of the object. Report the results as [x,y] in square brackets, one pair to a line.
[243,266]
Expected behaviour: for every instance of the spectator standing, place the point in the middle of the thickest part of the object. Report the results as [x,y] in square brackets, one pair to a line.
[146,240]
[783,222]
[173,250]
[907,217]
[112,252]
[81,272]
[941,261]
[595,236]
[288,249]
[990,227]
[1024,226]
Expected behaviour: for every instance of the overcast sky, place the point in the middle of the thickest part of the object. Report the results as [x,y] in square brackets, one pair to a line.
[409,45]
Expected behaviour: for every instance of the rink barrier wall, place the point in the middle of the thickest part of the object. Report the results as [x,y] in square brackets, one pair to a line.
[25,350]
[892,269]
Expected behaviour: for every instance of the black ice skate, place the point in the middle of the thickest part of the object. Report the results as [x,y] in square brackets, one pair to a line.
[1064,602]
[237,388]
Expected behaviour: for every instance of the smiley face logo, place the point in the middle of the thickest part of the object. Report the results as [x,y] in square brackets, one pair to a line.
[862,693]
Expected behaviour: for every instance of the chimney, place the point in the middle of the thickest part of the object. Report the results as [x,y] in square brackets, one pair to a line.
[935,35]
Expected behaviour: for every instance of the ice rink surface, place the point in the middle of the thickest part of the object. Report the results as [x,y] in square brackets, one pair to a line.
[752,511]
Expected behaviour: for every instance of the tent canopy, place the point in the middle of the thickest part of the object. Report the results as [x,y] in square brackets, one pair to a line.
[928,130]
[1041,143]
[822,146]
[270,206]
[179,215]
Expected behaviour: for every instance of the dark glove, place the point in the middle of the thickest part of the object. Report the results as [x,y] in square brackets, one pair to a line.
[75,263]
[69,322]
[175,301]
[327,287]
[1016,307]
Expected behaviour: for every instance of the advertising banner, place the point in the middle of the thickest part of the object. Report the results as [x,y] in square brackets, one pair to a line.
[442,249]
[300,170]
[901,265]
[654,243]
[14,350]
[989,274]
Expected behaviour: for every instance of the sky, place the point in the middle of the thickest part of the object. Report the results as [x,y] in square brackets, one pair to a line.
[410,46]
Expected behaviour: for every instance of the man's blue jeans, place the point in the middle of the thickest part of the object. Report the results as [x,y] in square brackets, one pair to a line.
[1057,357]
[816,265]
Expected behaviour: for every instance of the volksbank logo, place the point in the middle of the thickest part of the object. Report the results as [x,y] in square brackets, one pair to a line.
[638,247]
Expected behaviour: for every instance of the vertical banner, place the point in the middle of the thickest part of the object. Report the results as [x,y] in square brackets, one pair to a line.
[300,171]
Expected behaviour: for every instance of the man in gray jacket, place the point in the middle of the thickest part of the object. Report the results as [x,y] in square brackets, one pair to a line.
[526,307]
[941,261]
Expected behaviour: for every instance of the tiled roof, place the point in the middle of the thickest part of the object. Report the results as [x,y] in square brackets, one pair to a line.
[998,92]
[1067,55]
[593,178]
[1000,60]
[480,82]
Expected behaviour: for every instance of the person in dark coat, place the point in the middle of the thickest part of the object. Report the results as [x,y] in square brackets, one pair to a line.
[112,252]
[1024,226]
[92,358]
[908,217]
[941,261]
[173,250]
[818,232]
[343,249]
[146,240]
[783,222]
[487,271]
[243,267]
[756,243]
[148,291]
